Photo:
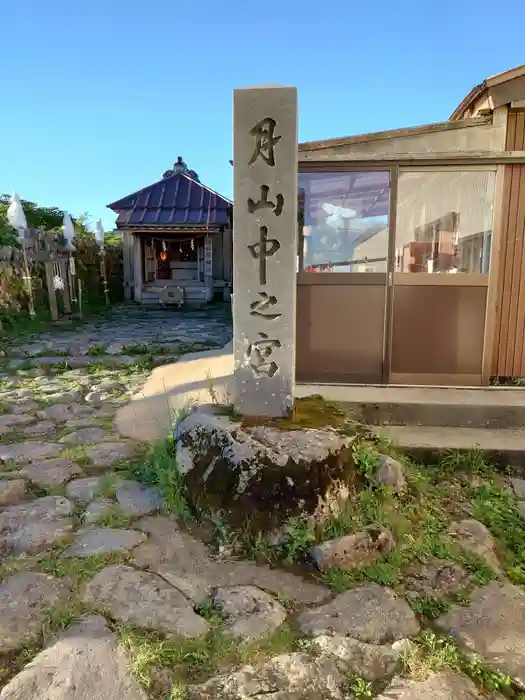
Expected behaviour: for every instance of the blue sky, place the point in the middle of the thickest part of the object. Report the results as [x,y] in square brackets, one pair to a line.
[100,96]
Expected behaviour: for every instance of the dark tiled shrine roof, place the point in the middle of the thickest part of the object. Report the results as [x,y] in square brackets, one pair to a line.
[177,200]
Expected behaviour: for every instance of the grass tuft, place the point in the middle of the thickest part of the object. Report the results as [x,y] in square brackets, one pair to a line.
[13,662]
[195,660]
[107,485]
[179,691]
[12,437]
[428,606]
[96,350]
[78,571]
[497,510]
[158,468]
[366,459]
[469,462]
[430,654]
[358,687]
[115,516]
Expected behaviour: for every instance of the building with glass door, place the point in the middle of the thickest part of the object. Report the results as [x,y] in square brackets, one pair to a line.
[432,219]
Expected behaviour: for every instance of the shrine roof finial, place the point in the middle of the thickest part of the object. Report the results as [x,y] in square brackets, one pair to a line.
[180,167]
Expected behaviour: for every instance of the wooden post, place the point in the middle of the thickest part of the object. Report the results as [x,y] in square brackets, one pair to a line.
[51,291]
[127,263]
[80,298]
[104,276]
[28,282]
[71,278]
[137,268]
[62,266]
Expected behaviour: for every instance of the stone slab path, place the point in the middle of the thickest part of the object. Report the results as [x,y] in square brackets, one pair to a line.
[96,579]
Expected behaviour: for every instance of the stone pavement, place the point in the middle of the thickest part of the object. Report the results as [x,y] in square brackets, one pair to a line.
[127,330]
[90,563]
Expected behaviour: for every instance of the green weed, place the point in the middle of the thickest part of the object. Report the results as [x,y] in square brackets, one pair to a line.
[138,349]
[116,517]
[178,691]
[337,580]
[285,639]
[366,459]
[461,597]
[208,612]
[107,485]
[497,510]
[258,547]
[158,468]
[77,454]
[300,536]
[13,662]
[78,571]
[13,437]
[428,606]
[11,565]
[471,461]
[193,660]
[489,678]
[431,654]
[214,396]
[61,617]
[96,350]
[359,687]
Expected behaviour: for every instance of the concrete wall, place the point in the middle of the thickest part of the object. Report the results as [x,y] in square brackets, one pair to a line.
[484,137]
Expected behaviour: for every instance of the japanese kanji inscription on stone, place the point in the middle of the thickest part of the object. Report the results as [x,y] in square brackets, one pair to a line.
[264,249]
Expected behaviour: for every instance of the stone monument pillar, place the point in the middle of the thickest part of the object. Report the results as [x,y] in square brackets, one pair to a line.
[264,249]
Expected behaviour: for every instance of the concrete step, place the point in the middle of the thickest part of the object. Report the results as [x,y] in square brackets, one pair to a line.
[487,407]
[500,447]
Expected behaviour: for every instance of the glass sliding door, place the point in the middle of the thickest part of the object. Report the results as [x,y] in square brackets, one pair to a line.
[345,221]
[441,263]
[343,229]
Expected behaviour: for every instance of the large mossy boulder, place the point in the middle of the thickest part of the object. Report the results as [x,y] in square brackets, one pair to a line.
[262,473]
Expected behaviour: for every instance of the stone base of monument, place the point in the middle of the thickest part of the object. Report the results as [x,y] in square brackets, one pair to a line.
[263,474]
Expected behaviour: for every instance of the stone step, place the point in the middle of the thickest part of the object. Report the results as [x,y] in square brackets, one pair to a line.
[490,407]
[188,303]
[500,447]
[192,294]
[152,300]
[185,284]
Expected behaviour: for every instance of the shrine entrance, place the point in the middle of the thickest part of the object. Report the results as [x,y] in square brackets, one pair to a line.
[174,260]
